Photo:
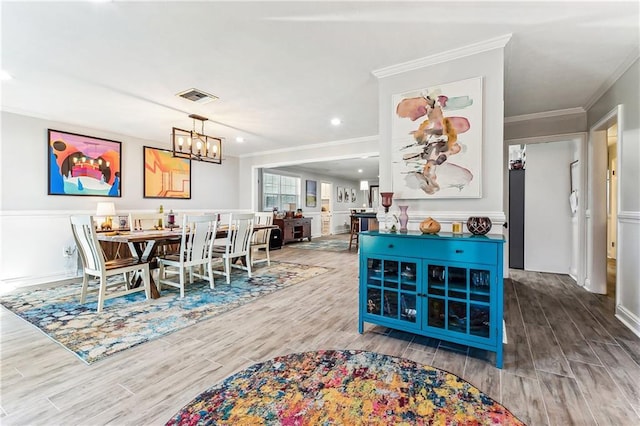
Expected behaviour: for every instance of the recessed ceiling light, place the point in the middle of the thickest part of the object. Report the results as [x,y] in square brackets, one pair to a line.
[239,139]
[336,121]
[359,170]
[4,76]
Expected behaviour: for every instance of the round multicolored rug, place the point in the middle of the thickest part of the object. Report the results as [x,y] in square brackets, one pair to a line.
[342,388]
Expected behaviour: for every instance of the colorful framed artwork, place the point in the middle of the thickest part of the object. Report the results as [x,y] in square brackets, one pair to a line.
[311,193]
[436,135]
[83,165]
[339,194]
[166,176]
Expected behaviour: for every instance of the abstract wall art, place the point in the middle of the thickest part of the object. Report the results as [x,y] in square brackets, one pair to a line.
[166,176]
[83,165]
[437,141]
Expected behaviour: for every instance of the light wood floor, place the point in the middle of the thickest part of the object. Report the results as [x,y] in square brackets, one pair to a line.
[567,361]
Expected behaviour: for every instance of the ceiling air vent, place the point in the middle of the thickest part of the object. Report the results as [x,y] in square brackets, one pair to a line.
[195,95]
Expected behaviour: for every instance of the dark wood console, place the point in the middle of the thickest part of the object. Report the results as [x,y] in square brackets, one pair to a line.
[294,229]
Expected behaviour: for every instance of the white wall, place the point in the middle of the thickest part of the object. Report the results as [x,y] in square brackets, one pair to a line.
[489,65]
[34,226]
[548,224]
[625,92]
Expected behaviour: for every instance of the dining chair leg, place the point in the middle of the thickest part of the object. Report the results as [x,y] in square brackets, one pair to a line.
[182,280]
[268,257]
[85,284]
[210,272]
[161,276]
[102,293]
[248,259]
[227,269]
[146,278]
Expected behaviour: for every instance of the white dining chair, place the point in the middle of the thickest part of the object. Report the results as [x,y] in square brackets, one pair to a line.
[95,264]
[260,238]
[236,244]
[194,255]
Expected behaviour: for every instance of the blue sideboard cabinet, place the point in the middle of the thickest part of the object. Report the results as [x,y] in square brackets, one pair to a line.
[444,286]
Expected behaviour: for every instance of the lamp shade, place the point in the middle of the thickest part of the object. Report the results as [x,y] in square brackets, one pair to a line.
[106,209]
[364,185]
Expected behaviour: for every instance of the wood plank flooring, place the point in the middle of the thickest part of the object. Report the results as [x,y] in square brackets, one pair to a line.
[568,359]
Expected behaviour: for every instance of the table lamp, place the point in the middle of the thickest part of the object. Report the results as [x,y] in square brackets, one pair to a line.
[106,210]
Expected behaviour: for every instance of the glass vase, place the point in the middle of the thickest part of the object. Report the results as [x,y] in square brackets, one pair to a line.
[403,218]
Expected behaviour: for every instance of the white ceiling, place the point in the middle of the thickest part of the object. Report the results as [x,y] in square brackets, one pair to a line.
[282,70]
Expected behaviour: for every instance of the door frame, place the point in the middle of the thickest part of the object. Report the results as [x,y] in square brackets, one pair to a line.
[596,229]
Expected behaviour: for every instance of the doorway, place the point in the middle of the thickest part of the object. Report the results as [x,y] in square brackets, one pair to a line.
[602,229]
[326,189]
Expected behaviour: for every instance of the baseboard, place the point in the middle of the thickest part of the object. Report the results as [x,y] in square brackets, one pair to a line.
[41,281]
[629,319]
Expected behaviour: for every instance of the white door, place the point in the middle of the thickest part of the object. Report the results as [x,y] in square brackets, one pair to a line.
[547,217]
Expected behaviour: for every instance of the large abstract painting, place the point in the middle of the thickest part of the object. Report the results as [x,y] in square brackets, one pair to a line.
[437,141]
[166,176]
[83,165]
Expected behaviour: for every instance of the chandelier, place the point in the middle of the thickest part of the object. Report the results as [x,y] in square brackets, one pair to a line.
[196,145]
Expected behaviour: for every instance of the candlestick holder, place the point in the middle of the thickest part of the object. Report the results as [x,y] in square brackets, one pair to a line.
[387,201]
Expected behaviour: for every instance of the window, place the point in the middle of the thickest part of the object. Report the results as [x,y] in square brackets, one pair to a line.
[279,191]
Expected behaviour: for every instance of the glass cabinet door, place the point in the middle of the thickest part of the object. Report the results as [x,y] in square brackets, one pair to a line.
[458,298]
[391,288]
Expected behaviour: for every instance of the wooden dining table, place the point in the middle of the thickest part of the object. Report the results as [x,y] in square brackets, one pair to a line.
[144,245]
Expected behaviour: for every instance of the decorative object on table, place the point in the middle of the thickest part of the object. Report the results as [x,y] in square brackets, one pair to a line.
[298,213]
[403,218]
[479,225]
[345,387]
[456,227]
[106,210]
[83,165]
[312,193]
[387,201]
[436,135]
[194,145]
[123,222]
[429,226]
[171,220]
[166,176]
[129,321]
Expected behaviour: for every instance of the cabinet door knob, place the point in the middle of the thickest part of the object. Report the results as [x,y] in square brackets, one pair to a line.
[459,251]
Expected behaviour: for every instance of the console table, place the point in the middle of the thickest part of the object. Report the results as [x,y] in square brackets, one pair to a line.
[294,229]
[444,286]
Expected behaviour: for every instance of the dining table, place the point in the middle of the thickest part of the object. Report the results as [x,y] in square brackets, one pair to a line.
[144,245]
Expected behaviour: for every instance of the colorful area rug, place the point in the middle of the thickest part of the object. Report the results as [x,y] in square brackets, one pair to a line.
[131,320]
[343,388]
[327,244]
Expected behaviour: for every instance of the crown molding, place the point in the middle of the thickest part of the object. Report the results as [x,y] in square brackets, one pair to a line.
[449,55]
[545,114]
[622,68]
[372,138]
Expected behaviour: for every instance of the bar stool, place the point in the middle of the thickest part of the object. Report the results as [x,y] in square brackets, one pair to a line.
[355,230]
